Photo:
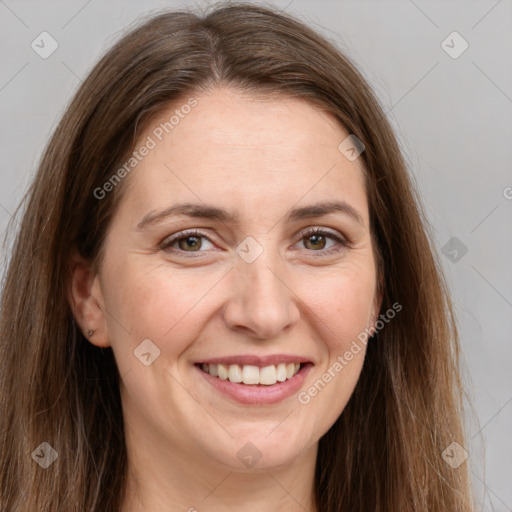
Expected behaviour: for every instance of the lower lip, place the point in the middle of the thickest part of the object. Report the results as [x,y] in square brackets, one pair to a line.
[258,394]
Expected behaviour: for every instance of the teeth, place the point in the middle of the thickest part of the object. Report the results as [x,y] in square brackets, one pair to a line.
[250,374]
[223,370]
[235,373]
[268,375]
[281,372]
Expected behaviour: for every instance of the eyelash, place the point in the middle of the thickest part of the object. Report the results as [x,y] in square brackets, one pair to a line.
[167,243]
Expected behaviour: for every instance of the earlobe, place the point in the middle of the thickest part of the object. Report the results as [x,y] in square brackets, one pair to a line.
[85,299]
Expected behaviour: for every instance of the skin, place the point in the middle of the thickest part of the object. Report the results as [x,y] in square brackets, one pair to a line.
[259,157]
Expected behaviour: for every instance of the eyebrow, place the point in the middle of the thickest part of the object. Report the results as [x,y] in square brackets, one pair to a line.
[204,211]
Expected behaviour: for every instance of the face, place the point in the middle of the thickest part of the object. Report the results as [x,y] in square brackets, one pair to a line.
[241,280]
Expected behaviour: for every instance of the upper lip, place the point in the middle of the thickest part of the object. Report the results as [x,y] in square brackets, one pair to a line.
[255,360]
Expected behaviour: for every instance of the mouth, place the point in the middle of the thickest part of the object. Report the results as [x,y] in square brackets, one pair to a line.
[251,374]
[256,383]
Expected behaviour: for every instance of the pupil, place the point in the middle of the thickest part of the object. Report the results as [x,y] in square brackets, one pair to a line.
[191,245]
[315,237]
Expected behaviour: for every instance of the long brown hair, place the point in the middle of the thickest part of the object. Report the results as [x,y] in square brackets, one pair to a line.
[384,453]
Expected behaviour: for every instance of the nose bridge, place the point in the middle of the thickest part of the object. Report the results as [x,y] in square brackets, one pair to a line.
[263,302]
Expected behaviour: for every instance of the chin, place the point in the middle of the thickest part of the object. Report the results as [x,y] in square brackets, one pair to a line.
[255,454]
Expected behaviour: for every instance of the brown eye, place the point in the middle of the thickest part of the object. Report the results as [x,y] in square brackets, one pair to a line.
[186,242]
[189,242]
[316,240]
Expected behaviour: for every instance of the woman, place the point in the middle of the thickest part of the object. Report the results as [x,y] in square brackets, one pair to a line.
[305,357]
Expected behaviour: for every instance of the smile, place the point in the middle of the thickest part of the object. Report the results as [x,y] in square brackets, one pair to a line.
[253,380]
[251,374]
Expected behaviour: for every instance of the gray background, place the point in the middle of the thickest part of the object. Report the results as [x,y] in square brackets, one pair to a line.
[453,117]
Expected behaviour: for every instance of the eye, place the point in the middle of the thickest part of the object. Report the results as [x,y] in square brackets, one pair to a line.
[317,238]
[187,241]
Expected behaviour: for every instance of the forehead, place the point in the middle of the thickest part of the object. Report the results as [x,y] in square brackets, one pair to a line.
[247,150]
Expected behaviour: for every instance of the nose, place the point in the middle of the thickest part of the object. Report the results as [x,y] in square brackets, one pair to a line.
[262,304]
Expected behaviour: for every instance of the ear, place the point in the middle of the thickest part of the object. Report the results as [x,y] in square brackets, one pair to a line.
[86,301]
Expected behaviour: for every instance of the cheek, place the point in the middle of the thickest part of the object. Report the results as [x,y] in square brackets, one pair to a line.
[344,307]
[342,330]
[168,307]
